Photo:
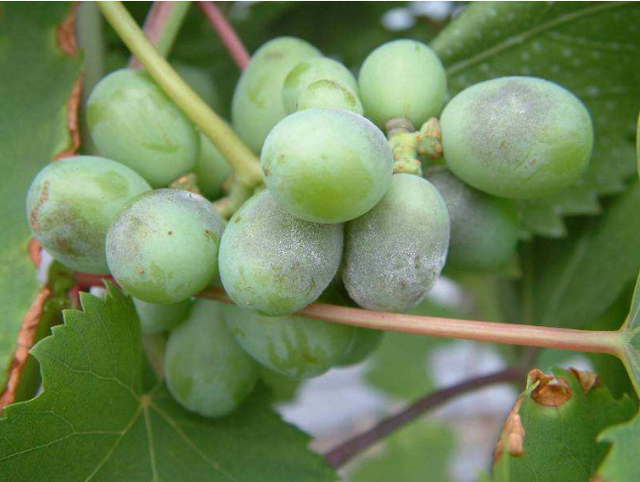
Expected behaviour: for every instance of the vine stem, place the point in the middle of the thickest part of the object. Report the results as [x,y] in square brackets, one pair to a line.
[226,33]
[609,342]
[162,26]
[245,165]
[347,450]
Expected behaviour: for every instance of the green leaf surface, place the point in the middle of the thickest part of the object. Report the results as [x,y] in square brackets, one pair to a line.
[560,434]
[589,48]
[94,419]
[36,79]
[621,463]
[578,278]
[419,452]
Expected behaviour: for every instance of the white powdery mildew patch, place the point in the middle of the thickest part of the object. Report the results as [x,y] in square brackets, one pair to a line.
[263,242]
[395,252]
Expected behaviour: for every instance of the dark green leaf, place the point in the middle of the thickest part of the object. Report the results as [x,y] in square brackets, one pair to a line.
[36,79]
[94,420]
[578,278]
[589,48]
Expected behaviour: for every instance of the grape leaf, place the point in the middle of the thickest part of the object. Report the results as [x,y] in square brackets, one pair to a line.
[591,49]
[551,432]
[621,463]
[421,451]
[94,419]
[578,278]
[36,79]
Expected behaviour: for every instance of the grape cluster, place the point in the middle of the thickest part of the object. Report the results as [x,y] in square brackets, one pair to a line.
[345,215]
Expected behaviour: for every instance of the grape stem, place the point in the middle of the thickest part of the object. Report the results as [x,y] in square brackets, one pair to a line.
[344,452]
[162,26]
[227,34]
[245,165]
[609,342]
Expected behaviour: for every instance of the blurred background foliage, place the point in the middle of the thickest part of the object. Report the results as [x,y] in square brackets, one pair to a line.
[347,31]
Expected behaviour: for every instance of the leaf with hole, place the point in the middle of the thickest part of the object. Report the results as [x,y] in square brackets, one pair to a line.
[96,419]
[550,434]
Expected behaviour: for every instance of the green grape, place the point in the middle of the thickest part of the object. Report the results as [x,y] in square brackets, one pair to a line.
[311,70]
[293,346]
[517,137]
[484,229]
[395,252]
[211,168]
[403,78]
[71,204]
[202,84]
[365,342]
[155,318]
[163,245]
[257,101]
[132,121]
[207,371]
[330,95]
[326,165]
[275,263]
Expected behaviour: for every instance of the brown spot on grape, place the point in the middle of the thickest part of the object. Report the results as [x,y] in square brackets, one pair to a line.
[140,270]
[170,233]
[44,197]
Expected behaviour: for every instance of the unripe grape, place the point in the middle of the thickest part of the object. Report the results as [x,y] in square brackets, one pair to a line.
[163,245]
[326,165]
[403,78]
[484,229]
[134,122]
[207,371]
[517,137]
[365,342]
[211,168]
[155,318]
[291,345]
[71,204]
[275,263]
[257,101]
[311,70]
[395,252]
[328,94]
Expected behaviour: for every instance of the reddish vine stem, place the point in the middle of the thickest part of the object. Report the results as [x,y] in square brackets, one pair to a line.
[511,334]
[347,450]
[227,34]
[161,26]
